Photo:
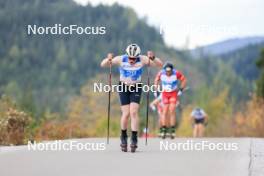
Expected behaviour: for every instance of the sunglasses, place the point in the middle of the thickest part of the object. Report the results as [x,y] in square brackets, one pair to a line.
[132,58]
[168,69]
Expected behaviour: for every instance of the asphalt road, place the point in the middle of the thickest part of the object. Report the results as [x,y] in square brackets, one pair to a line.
[245,157]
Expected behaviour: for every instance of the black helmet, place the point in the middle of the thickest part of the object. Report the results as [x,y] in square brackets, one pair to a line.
[168,65]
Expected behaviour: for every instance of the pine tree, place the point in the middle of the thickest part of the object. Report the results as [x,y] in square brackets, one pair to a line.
[260,81]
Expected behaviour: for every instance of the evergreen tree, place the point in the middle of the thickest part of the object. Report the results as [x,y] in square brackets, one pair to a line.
[260,81]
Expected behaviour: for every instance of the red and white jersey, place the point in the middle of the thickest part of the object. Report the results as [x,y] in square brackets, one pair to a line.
[169,83]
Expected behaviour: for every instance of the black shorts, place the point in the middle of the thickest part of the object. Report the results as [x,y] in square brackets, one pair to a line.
[199,121]
[128,94]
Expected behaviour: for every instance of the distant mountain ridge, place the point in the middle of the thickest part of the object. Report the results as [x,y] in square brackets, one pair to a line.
[226,46]
[243,60]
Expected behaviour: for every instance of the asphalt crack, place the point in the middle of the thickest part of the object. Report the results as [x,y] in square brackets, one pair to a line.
[256,163]
[250,159]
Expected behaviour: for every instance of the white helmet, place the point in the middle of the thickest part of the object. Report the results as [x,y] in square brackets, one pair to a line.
[133,50]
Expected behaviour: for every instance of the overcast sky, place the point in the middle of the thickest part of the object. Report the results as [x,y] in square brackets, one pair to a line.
[200,22]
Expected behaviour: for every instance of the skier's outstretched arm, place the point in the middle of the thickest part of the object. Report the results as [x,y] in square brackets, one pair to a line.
[152,60]
[111,59]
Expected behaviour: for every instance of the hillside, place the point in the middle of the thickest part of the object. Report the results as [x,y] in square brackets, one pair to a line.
[46,79]
[43,72]
[226,46]
[243,60]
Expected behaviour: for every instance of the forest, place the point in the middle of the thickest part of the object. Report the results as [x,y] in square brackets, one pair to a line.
[46,81]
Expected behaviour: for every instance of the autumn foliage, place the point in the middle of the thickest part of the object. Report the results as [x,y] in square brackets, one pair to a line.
[13,123]
[250,121]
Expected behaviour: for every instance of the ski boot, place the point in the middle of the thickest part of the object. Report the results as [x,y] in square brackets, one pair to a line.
[123,144]
[133,145]
[163,132]
[160,133]
[172,132]
[172,135]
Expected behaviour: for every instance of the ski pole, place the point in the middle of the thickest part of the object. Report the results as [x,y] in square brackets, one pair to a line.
[147,110]
[109,101]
